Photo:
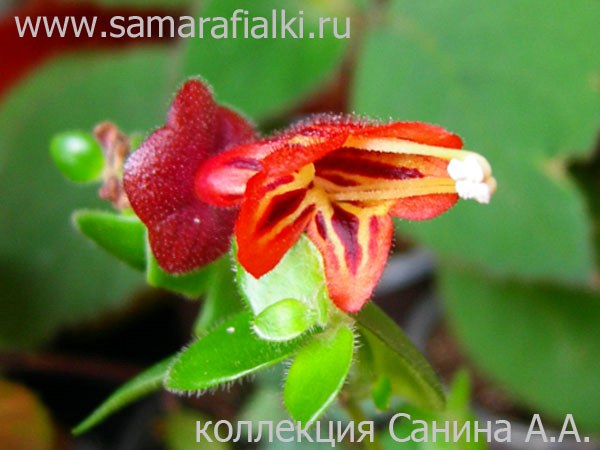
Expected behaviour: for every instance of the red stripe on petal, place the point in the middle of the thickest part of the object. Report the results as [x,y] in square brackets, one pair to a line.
[351,273]
[338,179]
[368,164]
[271,185]
[246,164]
[320,225]
[274,214]
[346,226]
[280,207]
[222,179]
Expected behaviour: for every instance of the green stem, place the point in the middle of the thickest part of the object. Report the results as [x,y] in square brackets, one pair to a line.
[357,415]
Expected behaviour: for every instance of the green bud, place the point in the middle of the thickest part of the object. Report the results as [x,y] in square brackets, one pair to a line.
[77,155]
[284,320]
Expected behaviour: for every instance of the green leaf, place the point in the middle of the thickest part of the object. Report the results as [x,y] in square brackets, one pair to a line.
[49,275]
[284,320]
[382,393]
[191,284]
[459,393]
[396,357]
[298,275]
[229,352]
[77,155]
[283,70]
[318,374]
[525,99]
[222,298]
[540,342]
[120,235]
[143,384]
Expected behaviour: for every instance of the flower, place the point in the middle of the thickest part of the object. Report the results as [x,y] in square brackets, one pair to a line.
[340,179]
[184,232]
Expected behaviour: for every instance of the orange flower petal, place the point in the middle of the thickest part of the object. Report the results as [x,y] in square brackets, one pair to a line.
[423,207]
[355,245]
[275,212]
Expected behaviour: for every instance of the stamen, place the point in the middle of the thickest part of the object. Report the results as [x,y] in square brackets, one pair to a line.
[467,169]
[401,146]
[395,190]
[472,176]
[470,173]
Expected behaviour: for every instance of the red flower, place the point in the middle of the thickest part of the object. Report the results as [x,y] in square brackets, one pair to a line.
[339,178]
[184,232]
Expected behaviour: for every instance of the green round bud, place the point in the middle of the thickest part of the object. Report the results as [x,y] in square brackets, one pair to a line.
[77,155]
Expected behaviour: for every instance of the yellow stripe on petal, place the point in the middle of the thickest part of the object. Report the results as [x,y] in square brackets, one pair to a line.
[394,190]
[354,244]
[401,146]
[275,213]
[470,171]
[284,184]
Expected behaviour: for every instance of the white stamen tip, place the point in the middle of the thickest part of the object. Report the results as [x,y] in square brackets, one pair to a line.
[472,176]
[469,190]
[471,168]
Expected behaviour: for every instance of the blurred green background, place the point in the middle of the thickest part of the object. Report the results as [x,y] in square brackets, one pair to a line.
[519,80]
